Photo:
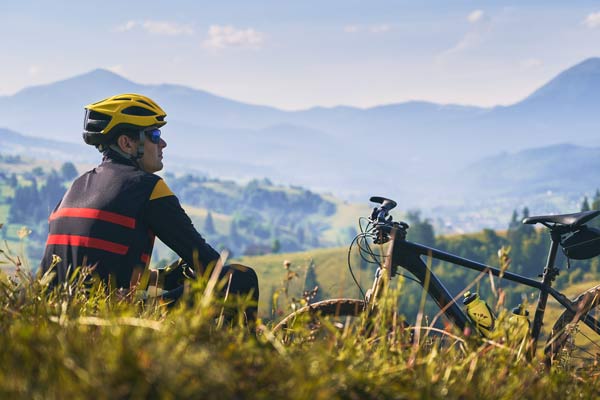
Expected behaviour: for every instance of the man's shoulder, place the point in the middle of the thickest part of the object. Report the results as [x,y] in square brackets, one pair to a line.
[148,177]
[160,189]
[128,175]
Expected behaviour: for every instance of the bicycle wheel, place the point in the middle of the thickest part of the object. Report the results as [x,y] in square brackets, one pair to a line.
[305,322]
[572,344]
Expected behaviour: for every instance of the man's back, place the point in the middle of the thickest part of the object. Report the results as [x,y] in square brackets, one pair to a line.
[109,217]
[101,222]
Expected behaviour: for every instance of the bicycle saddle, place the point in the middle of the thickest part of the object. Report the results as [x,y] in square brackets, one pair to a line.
[571,220]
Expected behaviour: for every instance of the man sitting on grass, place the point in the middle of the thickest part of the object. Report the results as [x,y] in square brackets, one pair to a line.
[109,217]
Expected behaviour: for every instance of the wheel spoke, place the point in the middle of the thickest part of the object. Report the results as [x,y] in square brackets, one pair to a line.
[574,345]
[305,324]
[590,340]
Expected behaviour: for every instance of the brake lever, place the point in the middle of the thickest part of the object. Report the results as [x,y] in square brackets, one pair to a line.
[383,231]
[373,214]
[380,215]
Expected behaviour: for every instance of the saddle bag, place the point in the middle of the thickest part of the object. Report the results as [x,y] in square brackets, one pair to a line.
[583,244]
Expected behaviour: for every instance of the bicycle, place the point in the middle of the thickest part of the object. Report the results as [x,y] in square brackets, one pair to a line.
[567,342]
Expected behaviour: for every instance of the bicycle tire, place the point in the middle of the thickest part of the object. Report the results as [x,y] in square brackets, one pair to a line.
[572,345]
[326,308]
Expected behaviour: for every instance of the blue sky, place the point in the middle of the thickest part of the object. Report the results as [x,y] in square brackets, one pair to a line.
[298,54]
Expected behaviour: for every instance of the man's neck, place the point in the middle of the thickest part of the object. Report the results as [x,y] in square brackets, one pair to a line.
[115,156]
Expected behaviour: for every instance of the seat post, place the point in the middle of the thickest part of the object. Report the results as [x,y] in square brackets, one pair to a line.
[548,276]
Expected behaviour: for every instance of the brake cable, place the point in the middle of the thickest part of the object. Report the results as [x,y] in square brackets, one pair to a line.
[364,296]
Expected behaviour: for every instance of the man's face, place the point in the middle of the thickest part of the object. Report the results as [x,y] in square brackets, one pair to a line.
[153,153]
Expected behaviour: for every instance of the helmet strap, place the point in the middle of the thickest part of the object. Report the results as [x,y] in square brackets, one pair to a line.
[117,149]
[140,149]
[139,153]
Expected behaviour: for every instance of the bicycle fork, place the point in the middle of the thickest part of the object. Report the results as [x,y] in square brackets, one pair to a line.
[383,276]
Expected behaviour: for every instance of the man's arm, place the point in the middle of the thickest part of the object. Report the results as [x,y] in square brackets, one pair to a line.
[172,225]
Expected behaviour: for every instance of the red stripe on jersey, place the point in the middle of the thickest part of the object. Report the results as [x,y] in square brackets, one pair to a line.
[145,258]
[84,241]
[93,213]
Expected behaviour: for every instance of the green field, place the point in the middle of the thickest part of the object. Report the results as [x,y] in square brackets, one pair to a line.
[64,344]
[330,266]
[3,213]
[332,273]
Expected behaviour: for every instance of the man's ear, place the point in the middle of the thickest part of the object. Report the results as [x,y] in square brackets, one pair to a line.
[127,144]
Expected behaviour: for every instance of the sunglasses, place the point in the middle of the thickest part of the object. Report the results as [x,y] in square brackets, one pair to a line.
[154,135]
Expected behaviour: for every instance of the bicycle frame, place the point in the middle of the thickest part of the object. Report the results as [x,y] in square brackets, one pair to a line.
[408,255]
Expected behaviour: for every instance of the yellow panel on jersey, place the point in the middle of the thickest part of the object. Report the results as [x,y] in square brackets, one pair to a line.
[161,190]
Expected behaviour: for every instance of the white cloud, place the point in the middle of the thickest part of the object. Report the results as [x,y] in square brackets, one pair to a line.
[475,16]
[592,20]
[127,26]
[221,36]
[531,63]
[470,40]
[165,28]
[34,70]
[380,28]
[117,69]
[474,37]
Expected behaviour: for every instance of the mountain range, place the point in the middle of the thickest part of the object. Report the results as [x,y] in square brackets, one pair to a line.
[418,152]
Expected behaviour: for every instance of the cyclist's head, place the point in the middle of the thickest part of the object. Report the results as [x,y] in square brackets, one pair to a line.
[124,114]
[124,123]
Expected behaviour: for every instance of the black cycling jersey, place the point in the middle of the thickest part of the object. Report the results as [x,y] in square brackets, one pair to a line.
[109,218]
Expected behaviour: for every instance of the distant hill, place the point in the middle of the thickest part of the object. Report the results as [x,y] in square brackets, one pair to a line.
[407,150]
[548,180]
[576,90]
[557,168]
[57,108]
[36,147]
[254,218]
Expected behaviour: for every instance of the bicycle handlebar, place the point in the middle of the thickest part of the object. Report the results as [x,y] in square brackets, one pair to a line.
[379,214]
[383,222]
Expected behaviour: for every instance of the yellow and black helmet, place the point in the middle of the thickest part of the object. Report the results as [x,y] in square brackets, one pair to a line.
[122,113]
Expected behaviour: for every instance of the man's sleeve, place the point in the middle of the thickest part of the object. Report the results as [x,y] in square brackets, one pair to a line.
[172,225]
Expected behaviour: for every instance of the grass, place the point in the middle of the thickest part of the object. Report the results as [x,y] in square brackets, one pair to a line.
[63,343]
[330,268]
[343,218]
[222,222]
[80,341]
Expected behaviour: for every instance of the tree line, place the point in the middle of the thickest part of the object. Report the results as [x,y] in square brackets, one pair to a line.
[527,247]
[261,217]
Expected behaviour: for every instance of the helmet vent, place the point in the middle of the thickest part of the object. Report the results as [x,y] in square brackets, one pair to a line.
[135,110]
[95,121]
[99,116]
[123,114]
[145,102]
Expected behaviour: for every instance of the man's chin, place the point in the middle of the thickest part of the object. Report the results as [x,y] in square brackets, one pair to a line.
[154,168]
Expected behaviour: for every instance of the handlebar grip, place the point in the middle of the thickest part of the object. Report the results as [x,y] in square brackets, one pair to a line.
[386,204]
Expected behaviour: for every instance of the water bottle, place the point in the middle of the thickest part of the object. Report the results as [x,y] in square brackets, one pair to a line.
[479,313]
[518,323]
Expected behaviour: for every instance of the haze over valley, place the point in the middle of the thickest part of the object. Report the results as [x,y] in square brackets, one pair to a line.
[457,163]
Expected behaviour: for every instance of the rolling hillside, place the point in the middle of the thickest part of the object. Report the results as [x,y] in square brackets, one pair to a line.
[406,150]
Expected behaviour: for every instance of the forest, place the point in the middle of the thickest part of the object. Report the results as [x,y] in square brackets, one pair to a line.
[246,219]
[263,218]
